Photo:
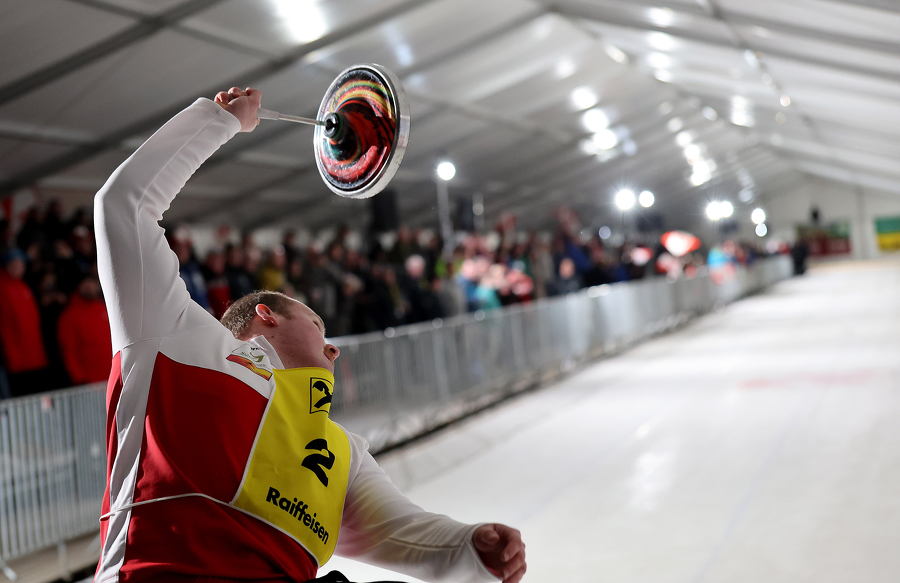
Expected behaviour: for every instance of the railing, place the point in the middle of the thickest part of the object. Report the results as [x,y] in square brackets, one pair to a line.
[52,468]
[396,385]
[391,386]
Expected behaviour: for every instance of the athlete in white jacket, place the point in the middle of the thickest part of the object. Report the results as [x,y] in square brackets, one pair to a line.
[222,462]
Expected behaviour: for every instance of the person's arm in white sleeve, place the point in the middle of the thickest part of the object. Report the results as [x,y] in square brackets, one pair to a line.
[144,296]
[382,527]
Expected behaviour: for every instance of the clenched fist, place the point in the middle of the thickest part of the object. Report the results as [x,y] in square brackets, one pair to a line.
[242,104]
[501,550]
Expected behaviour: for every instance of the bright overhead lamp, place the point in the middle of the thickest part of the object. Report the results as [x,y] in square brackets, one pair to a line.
[692,152]
[584,97]
[675,124]
[595,120]
[761,230]
[684,138]
[566,67]
[625,199]
[446,170]
[758,216]
[663,75]
[661,41]
[615,53]
[743,119]
[719,209]
[646,199]
[661,16]
[303,19]
[659,60]
[606,139]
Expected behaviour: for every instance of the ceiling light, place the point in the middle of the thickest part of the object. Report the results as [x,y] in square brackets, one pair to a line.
[710,113]
[625,199]
[717,210]
[661,16]
[665,108]
[746,195]
[758,216]
[303,18]
[659,60]
[606,139]
[646,199]
[780,117]
[698,178]
[702,166]
[692,151]
[785,100]
[675,124]
[740,102]
[584,97]
[615,53]
[742,118]
[565,68]
[595,120]
[761,230]
[701,171]
[604,232]
[661,41]
[663,75]
[446,170]
[684,138]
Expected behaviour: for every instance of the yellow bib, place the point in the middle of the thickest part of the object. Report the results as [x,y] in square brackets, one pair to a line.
[296,477]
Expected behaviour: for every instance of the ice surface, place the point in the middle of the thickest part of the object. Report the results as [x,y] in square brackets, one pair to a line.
[760,443]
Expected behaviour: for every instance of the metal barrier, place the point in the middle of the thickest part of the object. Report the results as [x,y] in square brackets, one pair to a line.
[52,468]
[391,386]
[396,385]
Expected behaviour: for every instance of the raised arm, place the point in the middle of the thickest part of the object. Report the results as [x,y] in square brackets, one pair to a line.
[145,297]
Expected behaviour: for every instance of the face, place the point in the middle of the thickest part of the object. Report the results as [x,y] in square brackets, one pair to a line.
[300,339]
[16,268]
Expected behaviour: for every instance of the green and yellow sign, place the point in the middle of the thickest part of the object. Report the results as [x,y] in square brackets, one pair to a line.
[887,229]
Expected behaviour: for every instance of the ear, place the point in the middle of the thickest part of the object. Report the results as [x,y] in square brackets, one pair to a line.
[266,315]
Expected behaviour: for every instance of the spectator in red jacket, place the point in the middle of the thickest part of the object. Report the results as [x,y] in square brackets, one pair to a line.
[83,332]
[21,343]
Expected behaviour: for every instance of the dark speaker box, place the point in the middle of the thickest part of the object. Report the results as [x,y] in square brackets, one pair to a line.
[384,211]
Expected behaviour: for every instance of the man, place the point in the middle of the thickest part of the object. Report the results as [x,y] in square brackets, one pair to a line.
[83,334]
[22,351]
[222,462]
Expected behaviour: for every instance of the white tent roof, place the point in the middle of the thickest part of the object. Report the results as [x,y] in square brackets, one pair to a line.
[759,95]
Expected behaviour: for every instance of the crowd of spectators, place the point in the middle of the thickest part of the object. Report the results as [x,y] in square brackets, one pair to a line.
[54,329]
[413,278]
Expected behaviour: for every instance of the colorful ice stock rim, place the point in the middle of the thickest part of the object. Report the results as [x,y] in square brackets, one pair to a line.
[361,161]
